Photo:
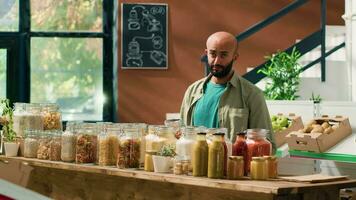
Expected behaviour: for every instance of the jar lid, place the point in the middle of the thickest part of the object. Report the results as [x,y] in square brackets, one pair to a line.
[236,157]
[270,157]
[201,133]
[258,158]
[152,152]
[219,133]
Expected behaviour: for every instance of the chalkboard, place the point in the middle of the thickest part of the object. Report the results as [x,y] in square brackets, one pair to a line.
[144,36]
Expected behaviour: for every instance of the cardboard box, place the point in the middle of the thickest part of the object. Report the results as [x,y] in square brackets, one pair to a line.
[297,124]
[320,142]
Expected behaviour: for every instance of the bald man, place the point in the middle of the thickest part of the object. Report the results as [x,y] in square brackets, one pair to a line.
[223,98]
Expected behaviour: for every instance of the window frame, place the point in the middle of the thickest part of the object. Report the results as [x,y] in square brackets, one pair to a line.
[18,74]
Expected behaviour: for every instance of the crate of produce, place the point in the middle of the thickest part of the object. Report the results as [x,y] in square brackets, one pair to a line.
[283,125]
[320,134]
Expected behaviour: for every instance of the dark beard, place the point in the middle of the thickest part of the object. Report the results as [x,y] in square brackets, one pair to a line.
[224,72]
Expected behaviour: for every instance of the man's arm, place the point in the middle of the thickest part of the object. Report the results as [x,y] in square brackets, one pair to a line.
[259,116]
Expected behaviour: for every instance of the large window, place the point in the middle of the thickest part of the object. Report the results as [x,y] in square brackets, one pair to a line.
[63,55]
[9,15]
[2,73]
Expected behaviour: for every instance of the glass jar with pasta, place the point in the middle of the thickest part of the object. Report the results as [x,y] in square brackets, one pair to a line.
[52,118]
[86,144]
[129,149]
[55,146]
[43,146]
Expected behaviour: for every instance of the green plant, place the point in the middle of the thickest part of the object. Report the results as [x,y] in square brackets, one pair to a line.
[315,98]
[7,115]
[283,72]
[167,150]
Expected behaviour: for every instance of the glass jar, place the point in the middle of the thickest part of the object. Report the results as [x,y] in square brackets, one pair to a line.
[19,118]
[259,170]
[239,148]
[52,118]
[184,146]
[103,149]
[222,133]
[200,155]
[153,141]
[257,144]
[129,149]
[55,146]
[27,117]
[167,133]
[209,135]
[86,144]
[216,157]
[43,146]
[175,125]
[113,135]
[31,144]
[68,143]
[272,165]
[235,167]
[148,161]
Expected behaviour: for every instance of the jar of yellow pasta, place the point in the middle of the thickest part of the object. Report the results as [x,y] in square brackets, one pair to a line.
[52,118]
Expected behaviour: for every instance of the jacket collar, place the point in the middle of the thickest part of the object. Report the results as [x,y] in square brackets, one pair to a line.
[233,81]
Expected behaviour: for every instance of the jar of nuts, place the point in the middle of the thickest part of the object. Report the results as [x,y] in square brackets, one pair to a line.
[52,118]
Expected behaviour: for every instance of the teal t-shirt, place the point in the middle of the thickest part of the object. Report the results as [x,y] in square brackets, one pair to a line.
[206,109]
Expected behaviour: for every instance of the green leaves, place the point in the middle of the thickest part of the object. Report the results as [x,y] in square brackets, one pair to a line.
[7,114]
[283,71]
[167,150]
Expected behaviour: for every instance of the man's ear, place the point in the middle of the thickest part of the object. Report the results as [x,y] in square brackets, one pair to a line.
[206,51]
[236,56]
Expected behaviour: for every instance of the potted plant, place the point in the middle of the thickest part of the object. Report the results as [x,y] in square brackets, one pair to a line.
[163,161]
[11,147]
[282,72]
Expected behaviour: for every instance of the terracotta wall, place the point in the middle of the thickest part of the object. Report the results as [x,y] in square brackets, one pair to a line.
[146,95]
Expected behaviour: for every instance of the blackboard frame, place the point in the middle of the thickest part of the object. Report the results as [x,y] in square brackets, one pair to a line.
[124,49]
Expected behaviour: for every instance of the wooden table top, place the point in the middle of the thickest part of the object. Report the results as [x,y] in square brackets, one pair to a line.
[275,186]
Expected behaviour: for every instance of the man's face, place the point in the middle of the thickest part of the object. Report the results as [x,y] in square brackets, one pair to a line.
[221,57]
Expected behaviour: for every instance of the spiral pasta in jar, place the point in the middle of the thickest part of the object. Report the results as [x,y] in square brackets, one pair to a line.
[43,146]
[86,145]
[52,118]
[129,149]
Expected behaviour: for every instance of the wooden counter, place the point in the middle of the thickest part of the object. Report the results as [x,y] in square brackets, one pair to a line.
[61,180]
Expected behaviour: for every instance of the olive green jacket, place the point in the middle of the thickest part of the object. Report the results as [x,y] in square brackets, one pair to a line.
[242,106]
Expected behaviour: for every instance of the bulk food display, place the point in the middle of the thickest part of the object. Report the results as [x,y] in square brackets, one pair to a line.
[282,125]
[55,146]
[108,146]
[43,145]
[257,144]
[68,143]
[200,155]
[320,134]
[235,167]
[52,118]
[259,168]
[31,144]
[184,145]
[86,144]
[27,117]
[240,148]
[216,157]
[129,149]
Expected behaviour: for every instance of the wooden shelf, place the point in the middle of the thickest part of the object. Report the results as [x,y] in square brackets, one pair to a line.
[276,186]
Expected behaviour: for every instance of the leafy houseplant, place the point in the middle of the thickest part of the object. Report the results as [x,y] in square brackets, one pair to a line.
[11,147]
[163,161]
[283,72]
